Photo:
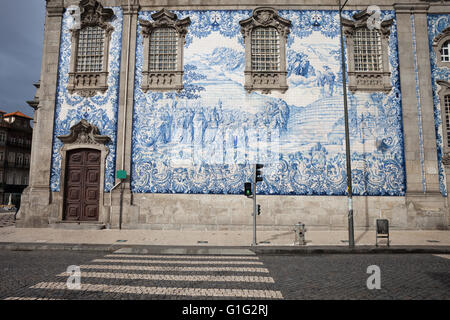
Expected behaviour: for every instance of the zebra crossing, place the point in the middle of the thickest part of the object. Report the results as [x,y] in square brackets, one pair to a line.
[156,276]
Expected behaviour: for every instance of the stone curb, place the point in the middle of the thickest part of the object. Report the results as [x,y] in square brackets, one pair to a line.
[224,250]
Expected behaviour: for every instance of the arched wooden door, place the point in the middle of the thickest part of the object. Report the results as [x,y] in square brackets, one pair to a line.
[82,185]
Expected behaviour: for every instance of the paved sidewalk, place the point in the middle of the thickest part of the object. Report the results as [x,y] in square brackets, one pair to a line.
[266,239]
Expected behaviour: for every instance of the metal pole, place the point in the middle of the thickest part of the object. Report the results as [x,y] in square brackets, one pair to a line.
[254,206]
[351,237]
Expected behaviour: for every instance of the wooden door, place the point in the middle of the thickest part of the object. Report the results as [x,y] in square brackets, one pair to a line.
[82,185]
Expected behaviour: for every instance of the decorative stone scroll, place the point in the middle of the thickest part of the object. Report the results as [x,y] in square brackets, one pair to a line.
[266,81]
[165,79]
[91,14]
[367,81]
[84,133]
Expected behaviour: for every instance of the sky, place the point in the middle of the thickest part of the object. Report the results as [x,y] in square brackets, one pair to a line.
[21,41]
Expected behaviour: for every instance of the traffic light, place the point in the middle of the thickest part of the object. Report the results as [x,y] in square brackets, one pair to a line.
[258,173]
[259,209]
[248,189]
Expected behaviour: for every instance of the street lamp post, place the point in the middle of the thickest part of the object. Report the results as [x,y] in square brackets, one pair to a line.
[351,236]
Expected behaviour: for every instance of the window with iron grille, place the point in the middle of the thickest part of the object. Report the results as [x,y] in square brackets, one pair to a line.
[90,49]
[265,49]
[367,50]
[163,50]
[445,52]
[447,117]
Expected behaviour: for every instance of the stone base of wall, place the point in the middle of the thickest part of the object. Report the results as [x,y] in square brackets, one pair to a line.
[233,212]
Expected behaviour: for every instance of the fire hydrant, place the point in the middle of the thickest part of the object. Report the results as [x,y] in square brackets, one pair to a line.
[300,230]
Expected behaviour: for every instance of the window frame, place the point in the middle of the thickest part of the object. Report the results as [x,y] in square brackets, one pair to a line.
[438,42]
[163,80]
[265,81]
[367,81]
[88,84]
[443,92]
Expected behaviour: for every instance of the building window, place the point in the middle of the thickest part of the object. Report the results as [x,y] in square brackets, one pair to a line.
[88,73]
[367,54]
[444,98]
[265,36]
[2,136]
[90,49]
[265,49]
[367,50]
[164,38]
[447,117]
[445,52]
[441,47]
[163,50]
[1,156]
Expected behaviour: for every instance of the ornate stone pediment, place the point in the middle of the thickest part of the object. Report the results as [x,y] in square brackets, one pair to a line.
[360,21]
[446,159]
[265,17]
[92,13]
[84,133]
[163,19]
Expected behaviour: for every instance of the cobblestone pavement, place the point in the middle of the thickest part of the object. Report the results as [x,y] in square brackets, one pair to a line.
[42,275]
[6,219]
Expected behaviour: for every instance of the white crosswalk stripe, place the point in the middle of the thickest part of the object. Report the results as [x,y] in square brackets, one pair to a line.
[161,268]
[152,256]
[175,261]
[445,256]
[171,277]
[164,290]
[165,275]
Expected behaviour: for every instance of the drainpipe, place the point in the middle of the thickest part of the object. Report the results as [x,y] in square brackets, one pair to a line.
[124,127]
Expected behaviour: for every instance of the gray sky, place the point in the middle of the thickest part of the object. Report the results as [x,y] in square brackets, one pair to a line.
[21,40]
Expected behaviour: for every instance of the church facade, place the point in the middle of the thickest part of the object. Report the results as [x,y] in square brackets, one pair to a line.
[151,114]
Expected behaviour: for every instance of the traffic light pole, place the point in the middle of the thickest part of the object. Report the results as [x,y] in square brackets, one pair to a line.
[254,206]
[351,237]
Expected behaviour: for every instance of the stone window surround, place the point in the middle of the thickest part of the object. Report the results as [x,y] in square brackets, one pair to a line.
[444,91]
[87,84]
[367,81]
[167,79]
[266,81]
[438,42]
[83,135]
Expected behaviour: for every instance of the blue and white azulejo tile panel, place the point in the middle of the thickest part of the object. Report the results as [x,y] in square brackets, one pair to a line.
[205,138]
[100,110]
[436,24]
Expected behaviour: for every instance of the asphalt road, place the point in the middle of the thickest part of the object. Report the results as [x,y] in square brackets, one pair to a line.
[40,274]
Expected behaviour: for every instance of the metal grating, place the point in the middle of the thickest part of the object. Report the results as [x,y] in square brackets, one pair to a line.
[90,49]
[163,50]
[265,49]
[367,50]
[447,117]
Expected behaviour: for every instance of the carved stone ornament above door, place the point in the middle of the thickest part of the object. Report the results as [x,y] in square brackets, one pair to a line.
[84,133]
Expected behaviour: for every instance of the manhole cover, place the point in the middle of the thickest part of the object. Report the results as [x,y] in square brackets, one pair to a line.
[265,242]
[345,241]
[202,241]
[433,240]
[121,240]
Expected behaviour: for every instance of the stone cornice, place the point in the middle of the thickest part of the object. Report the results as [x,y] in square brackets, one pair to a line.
[411,7]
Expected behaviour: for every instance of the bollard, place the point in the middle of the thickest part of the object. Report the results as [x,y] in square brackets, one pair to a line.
[300,230]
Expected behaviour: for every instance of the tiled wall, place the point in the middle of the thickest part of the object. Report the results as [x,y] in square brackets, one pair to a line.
[436,24]
[100,110]
[205,138]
